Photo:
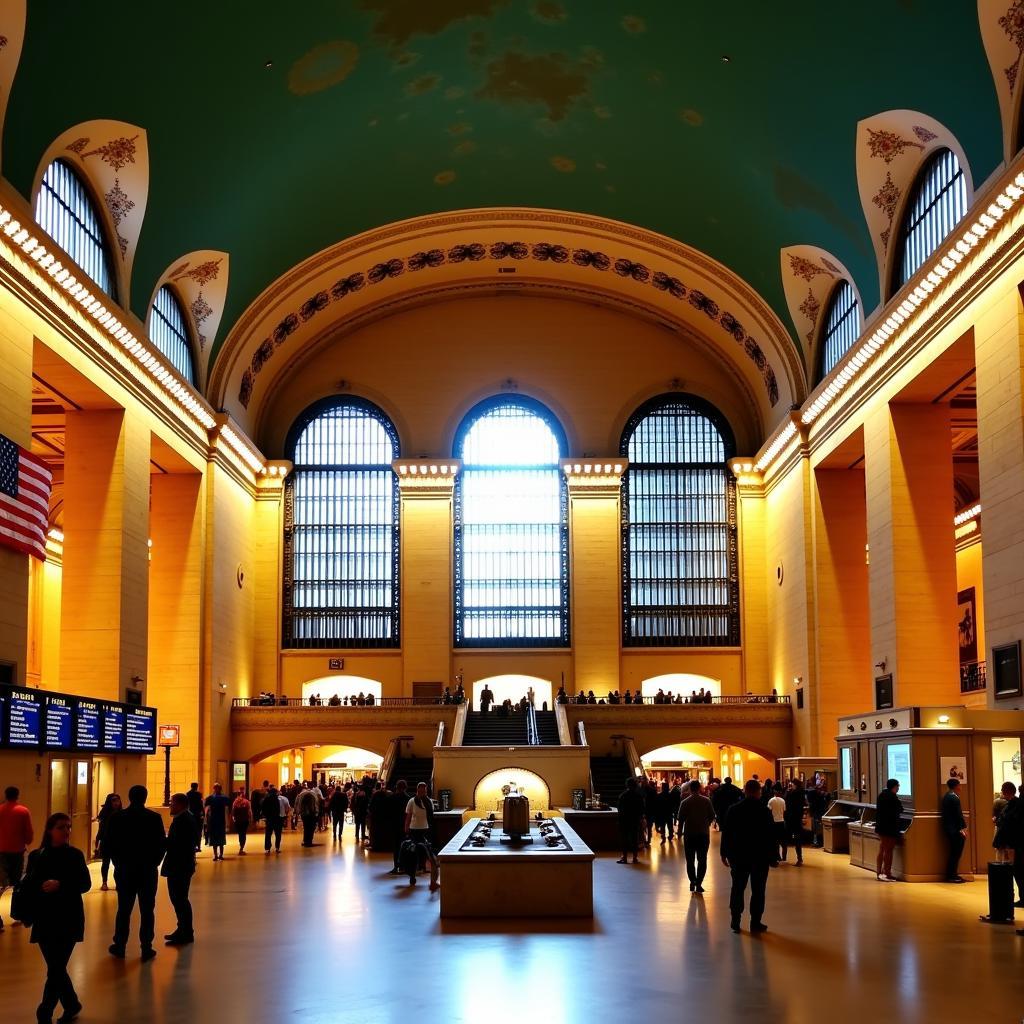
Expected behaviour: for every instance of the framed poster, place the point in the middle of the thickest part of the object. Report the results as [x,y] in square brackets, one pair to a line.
[579,799]
[1006,670]
[967,626]
[883,692]
[953,768]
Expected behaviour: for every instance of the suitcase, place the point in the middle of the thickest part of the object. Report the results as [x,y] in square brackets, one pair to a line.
[408,858]
[1000,893]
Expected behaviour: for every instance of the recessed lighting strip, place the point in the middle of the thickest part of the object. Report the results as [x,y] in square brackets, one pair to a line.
[242,450]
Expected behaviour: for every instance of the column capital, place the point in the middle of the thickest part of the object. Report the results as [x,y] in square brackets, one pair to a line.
[749,479]
[426,478]
[594,477]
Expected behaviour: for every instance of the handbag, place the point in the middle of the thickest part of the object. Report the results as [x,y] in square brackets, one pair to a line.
[24,896]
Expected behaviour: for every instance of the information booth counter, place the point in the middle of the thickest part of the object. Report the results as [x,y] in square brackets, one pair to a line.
[922,747]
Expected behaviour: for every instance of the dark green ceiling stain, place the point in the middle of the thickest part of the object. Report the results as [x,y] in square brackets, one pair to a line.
[638,118]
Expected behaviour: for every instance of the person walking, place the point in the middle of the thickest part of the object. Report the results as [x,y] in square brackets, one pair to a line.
[178,868]
[56,879]
[631,811]
[486,699]
[954,826]
[360,806]
[137,844]
[110,807]
[888,810]
[777,806]
[419,826]
[723,798]
[273,820]
[241,818]
[796,802]
[695,817]
[308,809]
[398,805]
[749,851]
[15,838]
[338,806]
[217,807]
[198,811]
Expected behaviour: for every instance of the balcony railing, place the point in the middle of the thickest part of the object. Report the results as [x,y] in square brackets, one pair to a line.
[973,677]
[750,698]
[325,702]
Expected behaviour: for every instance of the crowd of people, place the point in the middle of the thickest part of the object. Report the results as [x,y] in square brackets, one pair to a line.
[701,696]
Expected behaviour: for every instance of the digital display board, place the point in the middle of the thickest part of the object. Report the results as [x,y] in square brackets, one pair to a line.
[113,727]
[88,725]
[140,730]
[25,718]
[59,722]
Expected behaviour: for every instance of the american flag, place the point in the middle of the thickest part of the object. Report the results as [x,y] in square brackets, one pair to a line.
[24,499]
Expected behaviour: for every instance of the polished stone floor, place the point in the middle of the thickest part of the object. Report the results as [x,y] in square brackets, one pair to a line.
[316,936]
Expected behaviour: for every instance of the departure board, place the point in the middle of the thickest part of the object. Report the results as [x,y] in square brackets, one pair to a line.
[88,725]
[113,727]
[140,730]
[59,721]
[25,718]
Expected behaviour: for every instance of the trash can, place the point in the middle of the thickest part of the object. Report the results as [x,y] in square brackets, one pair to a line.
[1000,893]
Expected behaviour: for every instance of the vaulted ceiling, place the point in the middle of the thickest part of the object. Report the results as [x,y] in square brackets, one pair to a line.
[276,129]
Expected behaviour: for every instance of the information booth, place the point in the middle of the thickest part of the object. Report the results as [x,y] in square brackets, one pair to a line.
[922,747]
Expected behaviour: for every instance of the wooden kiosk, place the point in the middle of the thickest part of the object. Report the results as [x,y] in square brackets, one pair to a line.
[922,747]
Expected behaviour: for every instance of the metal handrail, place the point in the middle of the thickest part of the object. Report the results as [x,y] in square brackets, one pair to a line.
[532,735]
[390,757]
[973,677]
[581,729]
[304,702]
[439,740]
[750,698]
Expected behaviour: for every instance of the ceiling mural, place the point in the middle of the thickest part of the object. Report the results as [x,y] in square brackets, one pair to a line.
[891,149]
[276,134]
[12,35]
[1002,31]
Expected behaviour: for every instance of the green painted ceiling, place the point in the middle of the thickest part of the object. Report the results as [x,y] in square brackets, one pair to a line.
[376,110]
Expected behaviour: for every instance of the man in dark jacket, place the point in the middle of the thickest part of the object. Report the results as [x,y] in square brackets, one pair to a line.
[749,850]
[695,817]
[955,828]
[272,818]
[197,809]
[796,801]
[396,809]
[178,868]
[888,810]
[631,810]
[136,844]
[723,798]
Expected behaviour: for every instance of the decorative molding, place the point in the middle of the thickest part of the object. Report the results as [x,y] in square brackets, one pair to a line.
[594,478]
[426,478]
[1002,33]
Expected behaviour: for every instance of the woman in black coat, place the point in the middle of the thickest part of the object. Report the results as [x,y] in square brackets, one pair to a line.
[56,878]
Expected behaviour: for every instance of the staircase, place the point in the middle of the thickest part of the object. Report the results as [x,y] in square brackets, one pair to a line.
[414,770]
[494,730]
[609,776]
[547,728]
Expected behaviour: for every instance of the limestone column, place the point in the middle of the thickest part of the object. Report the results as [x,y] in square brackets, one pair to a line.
[843,677]
[426,552]
[595,524]
[912,571]
[175,621]
[15,424]
[999,362]
[267,566]
[105,593]
[753,559]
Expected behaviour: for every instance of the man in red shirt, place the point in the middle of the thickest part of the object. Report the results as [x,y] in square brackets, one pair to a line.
[15,838]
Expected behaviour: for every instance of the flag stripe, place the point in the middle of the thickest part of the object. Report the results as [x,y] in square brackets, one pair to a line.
[25,483]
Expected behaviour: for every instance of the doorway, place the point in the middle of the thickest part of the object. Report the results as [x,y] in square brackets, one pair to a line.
[71,794]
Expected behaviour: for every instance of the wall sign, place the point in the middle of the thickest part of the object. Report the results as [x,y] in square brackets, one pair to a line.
[1006,670]
[883,692]
[335,664]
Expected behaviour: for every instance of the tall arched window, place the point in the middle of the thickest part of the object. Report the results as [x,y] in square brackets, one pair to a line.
[680,573]
[511,538]
[842,326]
[341,528]
[937,203]
[64,209]
[168,330]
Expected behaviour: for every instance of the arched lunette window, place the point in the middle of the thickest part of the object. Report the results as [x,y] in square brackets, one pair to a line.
[938,202]
[680,570]
[511,535]
[66,211]
[341,586]
[842,326]
[168,330]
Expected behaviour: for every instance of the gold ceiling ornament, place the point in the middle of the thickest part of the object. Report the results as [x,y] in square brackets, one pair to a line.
[322,67]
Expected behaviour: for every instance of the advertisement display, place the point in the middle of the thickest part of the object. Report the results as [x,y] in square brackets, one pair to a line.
[898,765]
[59,727]
[25,718]
[140,730]
[113,728]
[88,725]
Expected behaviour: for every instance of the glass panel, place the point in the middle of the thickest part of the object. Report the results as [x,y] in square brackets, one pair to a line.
[936,207]
[680,586]
[1005,761]
[168,331]
[344,531]
[65,211]
[60,787]
[511,545]
[842,326]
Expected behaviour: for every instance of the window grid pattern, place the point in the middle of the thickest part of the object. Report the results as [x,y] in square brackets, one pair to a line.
[66,212]
[938,203]
[169,332]
[341,531]
[680,573]
[842,326]
[511,530]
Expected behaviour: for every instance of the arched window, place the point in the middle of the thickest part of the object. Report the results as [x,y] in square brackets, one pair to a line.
[66,211]
[680,573]
[341,528]
[511,539]
[168,330]
[938,201]
[842,326]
